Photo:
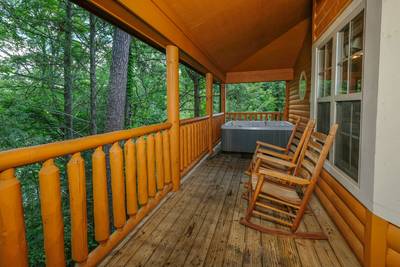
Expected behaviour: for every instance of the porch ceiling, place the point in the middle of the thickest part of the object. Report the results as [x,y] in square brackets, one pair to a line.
[240,35]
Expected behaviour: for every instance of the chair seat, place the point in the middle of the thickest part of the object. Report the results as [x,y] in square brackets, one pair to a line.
[278,191]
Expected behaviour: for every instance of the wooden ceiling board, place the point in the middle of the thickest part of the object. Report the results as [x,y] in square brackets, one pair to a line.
[230,31]
[280,53]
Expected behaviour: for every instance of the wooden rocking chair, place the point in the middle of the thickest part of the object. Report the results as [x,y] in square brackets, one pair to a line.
[290,154]
[285,203]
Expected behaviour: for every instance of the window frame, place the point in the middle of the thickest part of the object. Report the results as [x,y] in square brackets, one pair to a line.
[335,97]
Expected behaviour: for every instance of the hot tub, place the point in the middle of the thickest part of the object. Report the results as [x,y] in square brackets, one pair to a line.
[241,136]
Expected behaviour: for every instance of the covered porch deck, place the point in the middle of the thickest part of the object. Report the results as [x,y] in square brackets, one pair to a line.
[199,226]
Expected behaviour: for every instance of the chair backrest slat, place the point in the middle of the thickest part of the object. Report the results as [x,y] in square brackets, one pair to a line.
[297,143]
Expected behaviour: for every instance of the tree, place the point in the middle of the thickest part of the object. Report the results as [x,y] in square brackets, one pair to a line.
[93,86]
[68,130]
[118,80]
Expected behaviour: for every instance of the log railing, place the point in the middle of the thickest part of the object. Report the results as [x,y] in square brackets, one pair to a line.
[217,121]
[139,172]
[193,142]
[254,116]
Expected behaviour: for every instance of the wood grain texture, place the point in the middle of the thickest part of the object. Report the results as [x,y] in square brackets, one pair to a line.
[199,226]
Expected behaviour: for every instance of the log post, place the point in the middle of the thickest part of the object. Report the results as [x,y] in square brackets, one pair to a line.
[173,111]
[223,101]
[209,109]
[13,248]
[286,110]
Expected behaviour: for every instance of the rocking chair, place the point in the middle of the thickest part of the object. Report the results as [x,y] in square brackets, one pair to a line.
[285,203]
[277,155]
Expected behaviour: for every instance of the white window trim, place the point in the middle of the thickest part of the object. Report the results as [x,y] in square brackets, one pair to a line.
[347,15]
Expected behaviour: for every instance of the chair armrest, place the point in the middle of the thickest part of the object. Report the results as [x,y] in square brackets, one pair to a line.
[263,144]
[285,177]
[274,154]
[270,159]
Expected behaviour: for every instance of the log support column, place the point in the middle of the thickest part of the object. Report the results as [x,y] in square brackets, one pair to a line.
[209,109]
[173,111]
[223,100]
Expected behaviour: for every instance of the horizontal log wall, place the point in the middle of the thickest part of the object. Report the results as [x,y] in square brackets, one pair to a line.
[324,13]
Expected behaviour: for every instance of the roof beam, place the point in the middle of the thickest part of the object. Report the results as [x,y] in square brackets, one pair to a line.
[260,76]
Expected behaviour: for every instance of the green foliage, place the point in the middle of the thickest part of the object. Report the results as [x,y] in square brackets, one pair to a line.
[265,96]
[32,95]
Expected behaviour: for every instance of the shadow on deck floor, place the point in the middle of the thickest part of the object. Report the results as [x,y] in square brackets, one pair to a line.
[199,226]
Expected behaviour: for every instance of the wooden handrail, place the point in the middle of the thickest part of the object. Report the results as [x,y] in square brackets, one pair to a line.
[192,120]
[28,155]
[140,173]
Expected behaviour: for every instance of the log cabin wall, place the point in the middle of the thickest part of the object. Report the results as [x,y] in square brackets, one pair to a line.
[374,241]
[324,13]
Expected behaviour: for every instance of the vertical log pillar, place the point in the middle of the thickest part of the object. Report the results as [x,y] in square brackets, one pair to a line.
[173,111]
[13,248]
[286,110]
[209,109]
[375,241]
[223,100]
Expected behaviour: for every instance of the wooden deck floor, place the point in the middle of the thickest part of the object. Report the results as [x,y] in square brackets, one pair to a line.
[199,226]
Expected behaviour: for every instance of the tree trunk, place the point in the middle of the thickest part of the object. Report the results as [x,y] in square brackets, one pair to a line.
[195,79]
[68,130]
[93,85]
[118,78]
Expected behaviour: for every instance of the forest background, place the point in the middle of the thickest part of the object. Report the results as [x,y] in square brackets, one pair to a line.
[65,73]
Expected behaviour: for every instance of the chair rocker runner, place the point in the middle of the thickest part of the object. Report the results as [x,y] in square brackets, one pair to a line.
[285,203]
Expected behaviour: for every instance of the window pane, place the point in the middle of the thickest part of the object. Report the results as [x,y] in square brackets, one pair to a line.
[344,43]
[328,54]
[356,74]
[321,67]
[356,54]
[323,117]
[327,82]
[357,26]
[342,77]
[348,137]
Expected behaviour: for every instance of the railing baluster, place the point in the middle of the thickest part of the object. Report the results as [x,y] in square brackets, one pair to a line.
[151,175]
[100,196]
[117,185]
[159,161]
[185,132]
[13,248]
[167,157]
[77,191]
[130,177]
[52,218]
[181,148]
[142,171]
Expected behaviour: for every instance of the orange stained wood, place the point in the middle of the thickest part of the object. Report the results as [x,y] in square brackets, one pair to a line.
[217,36]
[142,171]
[52,218]
[130,174]
[13,248]
[151,170]
[159,161]
[166,157]
[173,111]
[117,185]
[209,108]
[100,196]
[77,189]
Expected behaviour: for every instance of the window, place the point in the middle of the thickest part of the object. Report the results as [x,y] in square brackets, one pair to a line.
[325,69]
[302,85]
[339,84]
[216,98]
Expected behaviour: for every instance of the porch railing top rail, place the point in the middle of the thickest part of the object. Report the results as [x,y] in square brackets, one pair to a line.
[29,155]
